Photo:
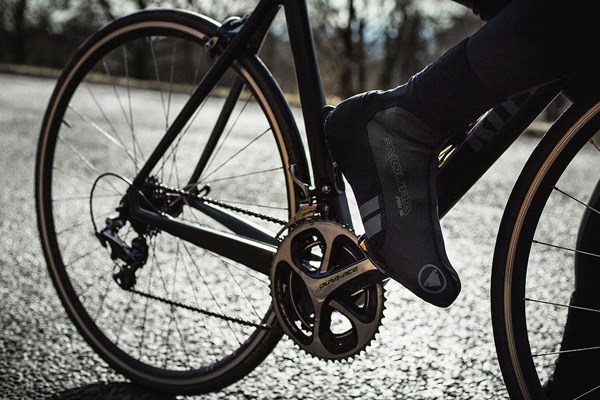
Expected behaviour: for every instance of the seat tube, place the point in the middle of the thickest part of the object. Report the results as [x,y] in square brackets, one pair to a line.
[328,182]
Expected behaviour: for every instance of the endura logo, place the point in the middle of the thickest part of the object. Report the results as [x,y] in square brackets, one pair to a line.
[402,200]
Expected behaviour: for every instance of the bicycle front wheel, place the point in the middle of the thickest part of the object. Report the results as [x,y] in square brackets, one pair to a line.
[187,320]
[545,262]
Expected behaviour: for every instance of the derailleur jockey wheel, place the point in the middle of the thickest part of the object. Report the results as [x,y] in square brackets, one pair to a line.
[327,295]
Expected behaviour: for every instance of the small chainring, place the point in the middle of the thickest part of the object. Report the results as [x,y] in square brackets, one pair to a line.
[327,295]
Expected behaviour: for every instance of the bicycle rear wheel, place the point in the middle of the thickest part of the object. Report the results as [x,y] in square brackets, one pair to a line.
[188,320]
[544,238]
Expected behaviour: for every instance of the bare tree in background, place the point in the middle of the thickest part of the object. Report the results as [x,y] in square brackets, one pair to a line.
[352,75]
[13,29]
[361,44]
[403,43]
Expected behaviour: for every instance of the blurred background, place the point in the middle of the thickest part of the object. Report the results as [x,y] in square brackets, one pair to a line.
[361,44]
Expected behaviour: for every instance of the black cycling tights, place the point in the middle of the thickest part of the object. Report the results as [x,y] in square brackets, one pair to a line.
[528,43]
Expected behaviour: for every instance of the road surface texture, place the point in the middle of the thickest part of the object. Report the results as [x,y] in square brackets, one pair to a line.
[421,352]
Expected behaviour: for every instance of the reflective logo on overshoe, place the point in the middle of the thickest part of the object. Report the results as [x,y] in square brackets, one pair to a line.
[431,279]
[402,202]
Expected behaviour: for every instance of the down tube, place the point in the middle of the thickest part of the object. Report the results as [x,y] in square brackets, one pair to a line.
[488,140]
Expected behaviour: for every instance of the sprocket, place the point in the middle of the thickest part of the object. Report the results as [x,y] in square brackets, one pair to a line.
[328,297]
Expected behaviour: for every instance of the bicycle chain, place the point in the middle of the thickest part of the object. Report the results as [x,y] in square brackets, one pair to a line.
[219,203]
[264,217]
[202,311]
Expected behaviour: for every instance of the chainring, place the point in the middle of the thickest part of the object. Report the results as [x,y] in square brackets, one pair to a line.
[328,297]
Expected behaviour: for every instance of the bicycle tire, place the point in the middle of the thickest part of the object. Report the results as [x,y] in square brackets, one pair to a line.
[266,97]
[528,317]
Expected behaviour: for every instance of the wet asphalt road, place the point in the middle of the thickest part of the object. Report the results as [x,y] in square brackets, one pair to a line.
[422,352]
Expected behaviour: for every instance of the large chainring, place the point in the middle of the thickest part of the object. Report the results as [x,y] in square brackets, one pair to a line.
[327,295]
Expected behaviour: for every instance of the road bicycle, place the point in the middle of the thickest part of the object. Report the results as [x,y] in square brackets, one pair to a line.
[187,225]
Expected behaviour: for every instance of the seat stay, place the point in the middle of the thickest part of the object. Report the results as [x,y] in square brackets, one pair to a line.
[238,45]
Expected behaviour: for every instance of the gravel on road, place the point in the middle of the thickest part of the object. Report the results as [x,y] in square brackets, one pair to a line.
[421,352]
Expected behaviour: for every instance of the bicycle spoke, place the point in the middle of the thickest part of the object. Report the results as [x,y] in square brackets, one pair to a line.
[82,256]
[182,339]
[237,153]
[227,266]
[566,248]
[78,224]
[145,314]
[195,80]
[85,197]
[561,305]
[264,171]
[553,353]
[83,159]
[241,290]
[210,291]
[125,314]
[80,155]
[106,119]
[577,200]
[245,270]
[195,294]
[108,136]
[173,321]
[128,86]
[189,124]
[225,261]
[171,73]
[224,139]
[158,81]
[175,146]
[116,92]
[102,300]
[166,294]
[588,392]
[79,178]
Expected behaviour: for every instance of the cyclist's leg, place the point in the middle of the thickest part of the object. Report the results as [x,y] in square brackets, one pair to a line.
[390,157]
[390,160]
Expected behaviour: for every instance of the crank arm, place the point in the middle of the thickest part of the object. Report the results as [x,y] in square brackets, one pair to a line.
[321,288]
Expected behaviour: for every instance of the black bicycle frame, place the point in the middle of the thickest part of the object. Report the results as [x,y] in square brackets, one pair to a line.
[254,247]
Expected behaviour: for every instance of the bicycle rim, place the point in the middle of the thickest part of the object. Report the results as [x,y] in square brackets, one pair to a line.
[537,249]
[195,321]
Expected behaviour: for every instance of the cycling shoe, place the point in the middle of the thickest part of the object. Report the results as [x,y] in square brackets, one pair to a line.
[390,159]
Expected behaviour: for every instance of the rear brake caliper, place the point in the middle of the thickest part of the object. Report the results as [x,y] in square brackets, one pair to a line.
[224,34]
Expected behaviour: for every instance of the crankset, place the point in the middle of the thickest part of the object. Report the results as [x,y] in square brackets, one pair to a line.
[327,295]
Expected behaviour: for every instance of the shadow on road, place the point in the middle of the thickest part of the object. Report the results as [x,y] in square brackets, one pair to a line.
[110,391]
